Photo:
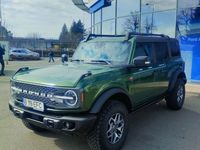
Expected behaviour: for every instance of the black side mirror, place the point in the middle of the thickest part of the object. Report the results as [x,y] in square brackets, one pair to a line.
[141,61]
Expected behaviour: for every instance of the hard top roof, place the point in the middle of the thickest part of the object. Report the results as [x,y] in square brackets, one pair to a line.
[128,36]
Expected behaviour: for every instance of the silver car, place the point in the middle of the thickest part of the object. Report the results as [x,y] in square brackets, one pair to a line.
[23,54]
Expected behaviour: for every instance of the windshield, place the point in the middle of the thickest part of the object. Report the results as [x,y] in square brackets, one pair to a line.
[112,52]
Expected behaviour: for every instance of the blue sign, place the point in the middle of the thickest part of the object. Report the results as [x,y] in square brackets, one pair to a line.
[190,39]
[192,43]
[95,5]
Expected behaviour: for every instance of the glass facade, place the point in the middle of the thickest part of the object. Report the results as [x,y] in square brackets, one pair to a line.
[176,18]
[188,33]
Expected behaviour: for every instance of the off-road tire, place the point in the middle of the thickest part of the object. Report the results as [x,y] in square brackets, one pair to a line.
[33,127]
[173,98]
[97,138]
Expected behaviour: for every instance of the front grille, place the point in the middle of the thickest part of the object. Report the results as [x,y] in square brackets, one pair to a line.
[39,89]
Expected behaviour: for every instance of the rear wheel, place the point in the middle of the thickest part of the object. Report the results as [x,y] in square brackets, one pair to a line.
[176,97]
[33,127]
[111,129]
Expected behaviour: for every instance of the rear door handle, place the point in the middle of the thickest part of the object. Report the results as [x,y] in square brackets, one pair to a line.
[162,65]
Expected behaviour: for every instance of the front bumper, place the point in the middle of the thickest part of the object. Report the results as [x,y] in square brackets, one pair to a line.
[67,124]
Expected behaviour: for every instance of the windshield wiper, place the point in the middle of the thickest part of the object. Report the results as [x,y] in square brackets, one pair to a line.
[102,61]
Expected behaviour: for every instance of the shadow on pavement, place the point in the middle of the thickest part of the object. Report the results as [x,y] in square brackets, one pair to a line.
[154,128]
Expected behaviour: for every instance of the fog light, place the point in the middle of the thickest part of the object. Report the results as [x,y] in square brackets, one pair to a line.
[69,125]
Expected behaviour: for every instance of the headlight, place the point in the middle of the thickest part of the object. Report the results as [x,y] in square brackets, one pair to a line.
[70,98]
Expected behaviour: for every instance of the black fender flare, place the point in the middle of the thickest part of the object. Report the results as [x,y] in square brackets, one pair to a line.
[174,78]
[104,97]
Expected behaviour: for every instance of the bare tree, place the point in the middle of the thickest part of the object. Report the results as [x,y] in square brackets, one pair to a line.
[34,40]
[132,23]
[149,26]
[185,17]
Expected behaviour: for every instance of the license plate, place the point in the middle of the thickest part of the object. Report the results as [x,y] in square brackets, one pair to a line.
[39,106]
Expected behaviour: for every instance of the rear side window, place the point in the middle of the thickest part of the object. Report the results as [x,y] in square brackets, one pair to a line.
[175,50]
[144,49]
[161,52]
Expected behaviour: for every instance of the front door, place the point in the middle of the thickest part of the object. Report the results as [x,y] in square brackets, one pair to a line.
[143,84]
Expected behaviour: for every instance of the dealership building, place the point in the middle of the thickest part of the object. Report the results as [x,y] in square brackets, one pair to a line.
[176,18]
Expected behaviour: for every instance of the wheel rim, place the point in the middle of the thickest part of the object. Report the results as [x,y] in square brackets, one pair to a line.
[115,128]
[180,94]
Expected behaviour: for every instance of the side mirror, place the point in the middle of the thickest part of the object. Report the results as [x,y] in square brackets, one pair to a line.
[141,61]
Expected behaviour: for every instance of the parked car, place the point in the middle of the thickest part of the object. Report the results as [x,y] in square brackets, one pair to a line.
[107,78]
[23,54]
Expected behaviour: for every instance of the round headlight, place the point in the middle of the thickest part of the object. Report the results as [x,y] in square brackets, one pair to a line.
[71,98]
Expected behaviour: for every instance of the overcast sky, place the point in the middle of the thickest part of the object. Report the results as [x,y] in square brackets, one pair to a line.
[45,17]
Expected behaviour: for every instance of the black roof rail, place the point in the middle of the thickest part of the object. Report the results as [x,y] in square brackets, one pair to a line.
[100,35]
[128,35]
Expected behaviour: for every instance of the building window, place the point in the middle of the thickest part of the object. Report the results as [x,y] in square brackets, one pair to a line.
[156,22]
[97,17]
[128,24]
[157,5]
[97,28]
[188,3]
[109,12]
[109,27]
[125,7]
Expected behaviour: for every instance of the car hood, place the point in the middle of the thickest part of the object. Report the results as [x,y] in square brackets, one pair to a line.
[67,75]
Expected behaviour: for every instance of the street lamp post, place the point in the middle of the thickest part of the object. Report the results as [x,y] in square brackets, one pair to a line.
[152,18]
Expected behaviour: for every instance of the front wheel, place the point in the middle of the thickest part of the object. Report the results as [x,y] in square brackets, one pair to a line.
[176,97]
[111,128]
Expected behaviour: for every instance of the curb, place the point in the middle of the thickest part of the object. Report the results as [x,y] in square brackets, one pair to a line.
[193,88]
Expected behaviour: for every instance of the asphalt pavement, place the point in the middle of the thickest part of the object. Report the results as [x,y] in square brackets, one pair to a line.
[153,128]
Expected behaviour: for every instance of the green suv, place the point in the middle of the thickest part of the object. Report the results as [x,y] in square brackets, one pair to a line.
[107,78]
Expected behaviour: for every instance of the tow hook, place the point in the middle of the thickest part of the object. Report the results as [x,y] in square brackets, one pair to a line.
[51,123]
[18,113]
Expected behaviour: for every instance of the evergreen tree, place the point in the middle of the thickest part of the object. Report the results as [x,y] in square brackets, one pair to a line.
[64,35]
[77,31]
[77,27]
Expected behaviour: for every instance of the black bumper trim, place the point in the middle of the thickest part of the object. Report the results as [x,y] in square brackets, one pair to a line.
[68,124]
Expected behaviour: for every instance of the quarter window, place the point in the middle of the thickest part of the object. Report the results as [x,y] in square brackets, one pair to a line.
[175,50]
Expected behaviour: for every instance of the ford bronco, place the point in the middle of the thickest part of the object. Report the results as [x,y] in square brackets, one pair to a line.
[107,78]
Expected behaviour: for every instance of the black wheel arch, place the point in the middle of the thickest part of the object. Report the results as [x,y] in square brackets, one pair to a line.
[178,74]
[112,94]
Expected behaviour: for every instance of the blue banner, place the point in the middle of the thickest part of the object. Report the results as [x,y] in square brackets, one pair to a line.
[98,4]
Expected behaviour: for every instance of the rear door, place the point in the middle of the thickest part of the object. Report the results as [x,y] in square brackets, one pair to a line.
[161,66]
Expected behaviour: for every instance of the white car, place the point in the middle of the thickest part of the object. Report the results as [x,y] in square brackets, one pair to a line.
[24,54]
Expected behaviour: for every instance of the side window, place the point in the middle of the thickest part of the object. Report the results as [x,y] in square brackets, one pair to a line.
[161,52]
[144,49]
[175,50]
